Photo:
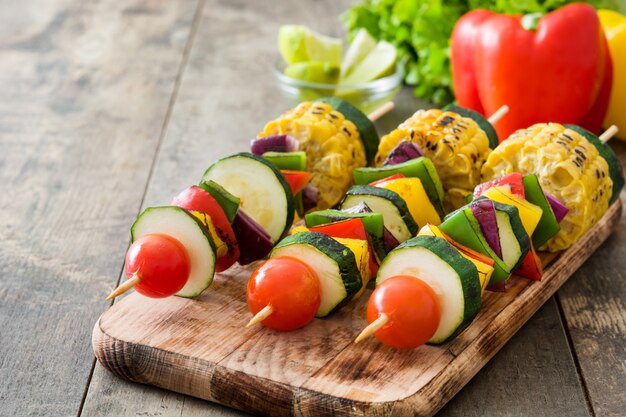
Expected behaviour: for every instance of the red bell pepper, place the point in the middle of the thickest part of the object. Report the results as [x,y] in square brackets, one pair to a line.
[531,266]
[350,229]
[389,178]
[553,69]
[513,180]
[297,179]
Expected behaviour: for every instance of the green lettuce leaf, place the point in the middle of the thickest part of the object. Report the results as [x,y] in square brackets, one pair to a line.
[421,29]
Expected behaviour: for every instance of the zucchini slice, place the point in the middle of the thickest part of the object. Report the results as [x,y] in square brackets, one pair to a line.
[334,263]
[462,226]
[264,192]
[184,227]
[453,278]
[514,240]
[396,215]
[364,125]
[480,120]
[422,168]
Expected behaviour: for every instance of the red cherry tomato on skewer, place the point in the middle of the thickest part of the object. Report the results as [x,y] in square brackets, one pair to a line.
[160,262]
[411,308]
[289,287]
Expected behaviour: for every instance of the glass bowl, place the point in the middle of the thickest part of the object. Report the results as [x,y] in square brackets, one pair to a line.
[367,97]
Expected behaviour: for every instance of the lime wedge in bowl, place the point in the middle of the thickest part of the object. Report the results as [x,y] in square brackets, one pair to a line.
[313,72]
[362,44]
[377,64]
[300,44]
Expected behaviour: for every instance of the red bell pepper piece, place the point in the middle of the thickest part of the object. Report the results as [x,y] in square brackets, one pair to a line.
[350,229]
[297,179]
[557,71]
[531,266]
[389,178]
[513,180]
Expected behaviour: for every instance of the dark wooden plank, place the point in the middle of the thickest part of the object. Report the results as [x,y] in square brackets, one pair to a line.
[533,374]
[85,89]
[593,303]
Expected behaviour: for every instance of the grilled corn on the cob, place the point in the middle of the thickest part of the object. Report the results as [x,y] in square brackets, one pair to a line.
[332,143]
[567,165]
[457,146]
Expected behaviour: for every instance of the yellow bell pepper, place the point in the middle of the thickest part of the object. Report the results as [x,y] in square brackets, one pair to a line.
[413,193]
[614,25]
[480,261]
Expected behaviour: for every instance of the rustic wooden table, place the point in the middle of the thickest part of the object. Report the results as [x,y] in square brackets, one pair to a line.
[107,107]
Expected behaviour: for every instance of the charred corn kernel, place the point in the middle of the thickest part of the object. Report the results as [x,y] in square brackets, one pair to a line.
[568,166]
[332,144]
[456,145]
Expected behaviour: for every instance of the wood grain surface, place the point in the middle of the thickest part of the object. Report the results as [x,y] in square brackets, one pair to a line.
[200,347]
[91,93]
[84,88]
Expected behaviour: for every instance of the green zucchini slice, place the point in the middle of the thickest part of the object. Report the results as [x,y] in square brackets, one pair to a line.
[334,263]
[184,227]
[264,192]
[453,278]
[396,215]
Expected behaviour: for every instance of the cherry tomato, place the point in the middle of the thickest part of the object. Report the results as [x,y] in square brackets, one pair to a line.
[290,287]
[161,262]
[413,311]
[196,199]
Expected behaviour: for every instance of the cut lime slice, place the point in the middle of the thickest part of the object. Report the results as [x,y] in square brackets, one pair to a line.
[301,44]
[362,44]
[378,63]
[314,72]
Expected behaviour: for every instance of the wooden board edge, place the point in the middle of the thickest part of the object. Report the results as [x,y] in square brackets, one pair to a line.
[441,389]
[139,364]
[466,364]
[129,360]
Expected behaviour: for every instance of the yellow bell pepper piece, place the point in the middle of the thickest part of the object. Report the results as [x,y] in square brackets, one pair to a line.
[529,213]
[614,25]
[360,249]
[412,192]
[485,270]
[221,248]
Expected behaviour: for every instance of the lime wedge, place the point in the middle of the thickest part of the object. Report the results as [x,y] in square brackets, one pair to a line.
[362,44]
[300,44]
[314,72]
[378,63]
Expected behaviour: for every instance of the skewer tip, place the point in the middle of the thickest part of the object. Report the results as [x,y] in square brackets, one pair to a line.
[498,114]
[372,328]
[124,286]
[260,316]
[608,134]
[381,111]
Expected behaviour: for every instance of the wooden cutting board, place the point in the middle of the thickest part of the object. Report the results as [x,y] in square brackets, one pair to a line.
[200,347]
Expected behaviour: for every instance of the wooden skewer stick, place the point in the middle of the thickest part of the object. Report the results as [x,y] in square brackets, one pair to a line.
[608,134]
[124,286]
[382,110]
[498,114]
[373,327]
[260,316]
